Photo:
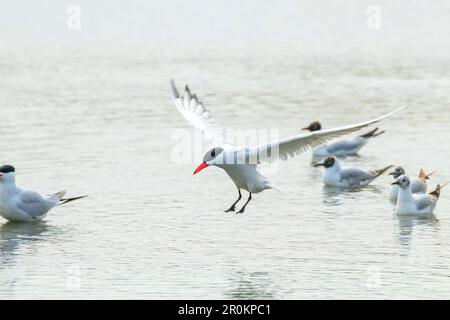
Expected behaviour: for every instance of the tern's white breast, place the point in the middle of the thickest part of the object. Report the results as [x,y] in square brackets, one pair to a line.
[247,177]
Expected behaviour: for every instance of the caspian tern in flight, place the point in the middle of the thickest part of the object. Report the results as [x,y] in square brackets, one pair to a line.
[415,204]
[22,205]
[417,185]
[341,147]
[240,163]
[336,175]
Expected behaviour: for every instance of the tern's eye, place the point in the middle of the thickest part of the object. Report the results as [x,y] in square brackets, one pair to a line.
[213,153]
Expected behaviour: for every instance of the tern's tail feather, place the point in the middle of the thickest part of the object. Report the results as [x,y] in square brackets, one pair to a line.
[60,194]
[372,134]
[379,172]
[270,185]
[62,200]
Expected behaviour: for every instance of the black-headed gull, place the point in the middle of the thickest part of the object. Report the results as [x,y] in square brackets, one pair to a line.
[414,204]
[341,147]
[241,163]
[336,175]
[22,205]
[417,185]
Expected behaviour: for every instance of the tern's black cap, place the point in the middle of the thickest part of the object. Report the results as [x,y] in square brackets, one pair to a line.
[7,168]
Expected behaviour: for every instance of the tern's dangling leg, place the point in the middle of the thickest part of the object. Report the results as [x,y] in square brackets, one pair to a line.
[233,206]
[248,200]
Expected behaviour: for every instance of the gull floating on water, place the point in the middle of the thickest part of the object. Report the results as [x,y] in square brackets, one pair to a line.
[414,204]
[341,147]
[336,175]
[417,185]
[22,205]
[240,163]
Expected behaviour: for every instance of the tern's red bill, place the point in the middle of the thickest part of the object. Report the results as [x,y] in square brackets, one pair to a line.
[200,167]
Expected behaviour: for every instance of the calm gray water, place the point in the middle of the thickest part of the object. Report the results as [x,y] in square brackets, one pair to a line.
[95,117]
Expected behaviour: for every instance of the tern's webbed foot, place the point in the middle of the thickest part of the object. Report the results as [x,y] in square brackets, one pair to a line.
[233,206]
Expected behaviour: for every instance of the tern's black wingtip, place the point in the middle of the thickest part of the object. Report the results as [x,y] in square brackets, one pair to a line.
[188,91]
[175,92]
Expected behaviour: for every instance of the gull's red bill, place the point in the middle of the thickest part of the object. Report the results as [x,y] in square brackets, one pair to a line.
[200,167]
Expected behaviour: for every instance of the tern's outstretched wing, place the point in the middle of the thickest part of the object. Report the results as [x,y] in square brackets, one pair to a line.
[292,146]
[198,116]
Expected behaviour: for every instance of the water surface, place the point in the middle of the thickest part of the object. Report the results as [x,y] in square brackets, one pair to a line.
[98,120]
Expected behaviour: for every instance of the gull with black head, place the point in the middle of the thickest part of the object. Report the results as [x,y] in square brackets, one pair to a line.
[21,205]
[418,185]
[240,163]
[415,204]
[336,175]
[341,147]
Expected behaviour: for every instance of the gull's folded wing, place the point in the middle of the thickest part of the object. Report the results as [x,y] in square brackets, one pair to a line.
[292,146]
[198,116]
[424,201]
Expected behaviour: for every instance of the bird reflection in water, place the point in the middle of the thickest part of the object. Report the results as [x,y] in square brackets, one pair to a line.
[407,223]
[253,285]
[333,196]
[13,234]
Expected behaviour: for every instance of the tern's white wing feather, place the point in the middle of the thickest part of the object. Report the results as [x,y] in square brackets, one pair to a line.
[289,147]
[33,203]
[198,116]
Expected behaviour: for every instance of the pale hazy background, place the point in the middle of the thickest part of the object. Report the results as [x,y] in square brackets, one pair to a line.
[89,110]
[338,27]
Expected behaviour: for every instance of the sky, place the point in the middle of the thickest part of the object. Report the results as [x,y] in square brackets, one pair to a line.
[323,25]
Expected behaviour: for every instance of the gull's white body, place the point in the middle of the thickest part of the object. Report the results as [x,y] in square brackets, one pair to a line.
[21,205]
[340,147]
[338,176]
[417,186]
[415,204]
[244,174]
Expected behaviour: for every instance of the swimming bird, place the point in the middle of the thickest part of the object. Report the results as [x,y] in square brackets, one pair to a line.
[341,147]
[336,175]
[240,163]
[415,204]
[417,185]
[22,205]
